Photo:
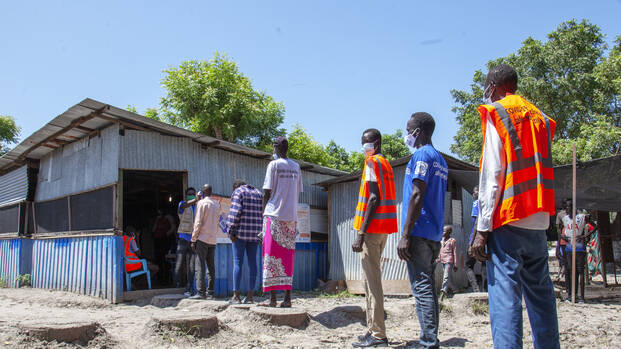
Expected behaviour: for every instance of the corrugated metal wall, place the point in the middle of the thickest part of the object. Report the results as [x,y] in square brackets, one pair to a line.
[14,186]
[152,151]
[87,265]
[79,166]
[310,264]
[10,251]
[345,264]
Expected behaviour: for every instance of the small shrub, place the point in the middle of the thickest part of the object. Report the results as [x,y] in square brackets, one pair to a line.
[3,283]
[446,308]
[23,280]
[480,308]
[342,294]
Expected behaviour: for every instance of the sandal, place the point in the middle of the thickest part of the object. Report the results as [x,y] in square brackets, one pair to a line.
[267,303]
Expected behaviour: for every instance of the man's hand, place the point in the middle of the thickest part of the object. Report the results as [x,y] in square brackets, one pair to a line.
[193,246]
[477,250]
[233,238]
[403,248]
[454,269]
[357,245]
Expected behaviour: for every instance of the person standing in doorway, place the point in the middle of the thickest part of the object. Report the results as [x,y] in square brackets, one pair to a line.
[281,189]
[186,210]
[244,224]
[448,259]
[375,219]
[424,192]
[204,240]
[516,200]
[163,227]
[561,243]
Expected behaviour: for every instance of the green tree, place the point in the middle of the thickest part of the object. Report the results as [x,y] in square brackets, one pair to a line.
[393,146]
[9,133]
[215,98]
[569,78]
[302,146]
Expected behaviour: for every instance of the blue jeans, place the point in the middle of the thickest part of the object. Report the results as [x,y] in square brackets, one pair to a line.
[184,254]
[519,266]
[250,247]
[421,269]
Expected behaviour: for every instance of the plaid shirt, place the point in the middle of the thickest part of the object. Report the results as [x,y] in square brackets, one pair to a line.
[245,219]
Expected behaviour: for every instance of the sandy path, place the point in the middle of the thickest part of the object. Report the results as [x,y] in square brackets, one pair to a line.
[591,325]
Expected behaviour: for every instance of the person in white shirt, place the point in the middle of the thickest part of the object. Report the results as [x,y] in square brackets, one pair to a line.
[281,189]
[516,199]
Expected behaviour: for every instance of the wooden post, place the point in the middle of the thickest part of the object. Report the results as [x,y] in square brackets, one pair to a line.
[573,232]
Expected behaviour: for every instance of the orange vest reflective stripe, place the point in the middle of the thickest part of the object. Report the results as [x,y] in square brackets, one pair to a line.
[526,135]
[130,255]
[385,218]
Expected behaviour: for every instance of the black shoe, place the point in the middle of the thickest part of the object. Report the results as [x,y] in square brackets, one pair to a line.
[198,296]
[371,341]
[364,336]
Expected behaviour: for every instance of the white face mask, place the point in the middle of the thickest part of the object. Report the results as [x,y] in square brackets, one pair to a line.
[410,139]
[487,95]
[368,149]
[274,156]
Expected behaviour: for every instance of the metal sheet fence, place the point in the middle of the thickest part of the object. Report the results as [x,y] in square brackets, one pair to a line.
[10,251]
[310,264]
[86,265]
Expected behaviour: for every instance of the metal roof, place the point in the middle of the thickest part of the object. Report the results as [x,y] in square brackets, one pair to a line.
[453,164]
[90,116]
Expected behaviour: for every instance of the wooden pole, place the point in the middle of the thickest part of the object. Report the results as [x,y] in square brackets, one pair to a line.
[573,232]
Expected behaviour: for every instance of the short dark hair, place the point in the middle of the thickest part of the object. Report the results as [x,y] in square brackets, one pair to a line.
[238,183]
[504,76]
[424,121]
[190,188]
[375,133]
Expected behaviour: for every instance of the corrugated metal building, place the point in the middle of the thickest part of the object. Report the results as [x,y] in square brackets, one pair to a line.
[343,195]
[68,191]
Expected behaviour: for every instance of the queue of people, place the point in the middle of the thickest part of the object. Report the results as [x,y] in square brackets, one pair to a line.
[513,203]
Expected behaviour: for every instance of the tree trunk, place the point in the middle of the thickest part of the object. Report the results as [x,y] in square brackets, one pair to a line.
[217,129]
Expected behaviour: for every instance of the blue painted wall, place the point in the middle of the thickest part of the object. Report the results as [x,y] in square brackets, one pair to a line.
[10,251]
[88,265]
[310,264]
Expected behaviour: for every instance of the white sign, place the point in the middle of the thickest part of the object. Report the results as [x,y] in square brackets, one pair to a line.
[304,230]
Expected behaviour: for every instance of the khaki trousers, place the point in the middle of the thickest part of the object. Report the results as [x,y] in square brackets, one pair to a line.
[372,278]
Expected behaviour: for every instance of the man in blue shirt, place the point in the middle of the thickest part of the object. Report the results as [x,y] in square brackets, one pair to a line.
[187,211]
[424,190]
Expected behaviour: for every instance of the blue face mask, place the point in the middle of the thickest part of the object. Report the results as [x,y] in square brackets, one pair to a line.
[368,149]
[487,95]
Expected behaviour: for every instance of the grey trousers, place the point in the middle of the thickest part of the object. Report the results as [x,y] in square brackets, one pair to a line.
[205,254]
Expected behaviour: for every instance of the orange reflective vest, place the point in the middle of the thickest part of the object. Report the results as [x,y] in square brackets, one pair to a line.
[130,255]
[526,135]
[385,218]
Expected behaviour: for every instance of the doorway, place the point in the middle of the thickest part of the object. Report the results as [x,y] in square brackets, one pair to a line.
[150,200]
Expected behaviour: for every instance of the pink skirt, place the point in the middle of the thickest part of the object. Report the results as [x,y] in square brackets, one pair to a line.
[278,253]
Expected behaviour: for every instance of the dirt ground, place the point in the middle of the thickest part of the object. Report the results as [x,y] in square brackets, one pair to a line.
[334,322]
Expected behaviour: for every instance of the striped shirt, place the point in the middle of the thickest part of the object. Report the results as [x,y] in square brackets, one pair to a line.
[245,219]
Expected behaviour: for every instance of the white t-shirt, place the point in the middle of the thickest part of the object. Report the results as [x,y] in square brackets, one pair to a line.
[369,173]
[284,178]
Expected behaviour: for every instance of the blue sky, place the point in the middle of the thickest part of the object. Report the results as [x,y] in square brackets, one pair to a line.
[339,67]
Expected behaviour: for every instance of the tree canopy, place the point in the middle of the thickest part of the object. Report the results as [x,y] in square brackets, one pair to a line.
[9,133]
[214,98]
[572,78]
[302,146]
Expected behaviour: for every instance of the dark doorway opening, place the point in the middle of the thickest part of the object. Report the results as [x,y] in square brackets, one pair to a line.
[150,200]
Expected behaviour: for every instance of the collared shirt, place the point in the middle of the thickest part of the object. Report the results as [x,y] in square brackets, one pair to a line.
[245,219]
[448,251]
[206,221]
